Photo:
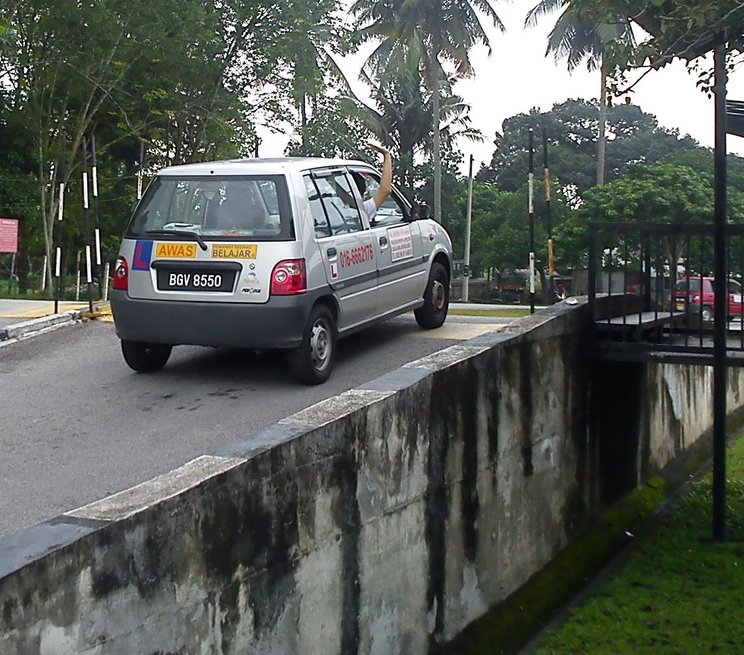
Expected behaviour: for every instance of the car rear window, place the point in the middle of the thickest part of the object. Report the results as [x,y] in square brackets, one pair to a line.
[692,284]
[253,207]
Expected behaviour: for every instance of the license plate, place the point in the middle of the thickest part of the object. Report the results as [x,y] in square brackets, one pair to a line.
[195,280]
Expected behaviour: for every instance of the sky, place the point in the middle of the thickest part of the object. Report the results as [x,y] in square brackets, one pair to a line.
[518,76]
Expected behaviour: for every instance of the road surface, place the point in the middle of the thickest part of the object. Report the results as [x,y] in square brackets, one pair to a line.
[78,424]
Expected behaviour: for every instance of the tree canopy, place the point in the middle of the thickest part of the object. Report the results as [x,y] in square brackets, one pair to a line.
[196,80]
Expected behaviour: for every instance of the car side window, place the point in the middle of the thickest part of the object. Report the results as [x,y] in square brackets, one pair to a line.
[320,219]
[392,210]
[339,203]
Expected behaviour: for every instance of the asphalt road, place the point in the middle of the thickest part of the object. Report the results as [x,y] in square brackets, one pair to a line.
[78,424]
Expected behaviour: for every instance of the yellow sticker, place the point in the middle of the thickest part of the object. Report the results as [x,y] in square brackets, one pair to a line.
[234,250]
[173,250]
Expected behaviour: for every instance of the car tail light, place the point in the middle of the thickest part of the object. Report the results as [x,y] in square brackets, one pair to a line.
[121,274]
[289,278]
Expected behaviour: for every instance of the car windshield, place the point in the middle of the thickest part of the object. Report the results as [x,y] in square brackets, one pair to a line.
[253,207]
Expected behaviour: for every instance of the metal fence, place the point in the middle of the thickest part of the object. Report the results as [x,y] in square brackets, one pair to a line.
[652,295]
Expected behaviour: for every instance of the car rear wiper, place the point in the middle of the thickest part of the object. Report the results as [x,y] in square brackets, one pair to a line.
[183,233]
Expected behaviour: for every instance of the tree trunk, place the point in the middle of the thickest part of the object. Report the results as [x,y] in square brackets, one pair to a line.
[303,123]
[601,133]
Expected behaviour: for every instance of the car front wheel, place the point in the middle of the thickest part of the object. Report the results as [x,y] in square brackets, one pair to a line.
[312,361]
[145,357]
[436,299]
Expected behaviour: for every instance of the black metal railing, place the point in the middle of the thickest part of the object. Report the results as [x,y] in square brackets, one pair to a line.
[651,291]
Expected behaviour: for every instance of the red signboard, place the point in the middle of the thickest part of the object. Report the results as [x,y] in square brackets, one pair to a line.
[8,235]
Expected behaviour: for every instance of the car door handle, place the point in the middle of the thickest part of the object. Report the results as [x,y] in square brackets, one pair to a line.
[383,242]
[331,252]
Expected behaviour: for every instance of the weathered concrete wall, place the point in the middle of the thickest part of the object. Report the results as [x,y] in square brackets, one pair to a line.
[382,521]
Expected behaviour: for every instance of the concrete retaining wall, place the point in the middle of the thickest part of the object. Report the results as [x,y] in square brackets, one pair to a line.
[381,521]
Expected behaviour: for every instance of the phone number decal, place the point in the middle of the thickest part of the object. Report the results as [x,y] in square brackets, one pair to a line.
[357,255]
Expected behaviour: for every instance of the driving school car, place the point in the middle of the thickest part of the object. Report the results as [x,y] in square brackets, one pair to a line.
[272,254]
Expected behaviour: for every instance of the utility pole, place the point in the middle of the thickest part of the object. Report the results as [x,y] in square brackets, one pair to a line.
[466,272]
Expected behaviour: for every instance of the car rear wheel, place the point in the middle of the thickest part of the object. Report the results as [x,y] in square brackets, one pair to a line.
[312,361]
[436,299]
[145,357]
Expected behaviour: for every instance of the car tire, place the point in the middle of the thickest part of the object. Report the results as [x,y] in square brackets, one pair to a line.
[145,357]
[312,361]
[706,314]
[436,299]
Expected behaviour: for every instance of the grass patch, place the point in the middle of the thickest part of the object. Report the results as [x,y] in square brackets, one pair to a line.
[679,592]
[509,312]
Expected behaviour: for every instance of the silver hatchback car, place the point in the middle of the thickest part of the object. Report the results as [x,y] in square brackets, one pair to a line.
[272,254]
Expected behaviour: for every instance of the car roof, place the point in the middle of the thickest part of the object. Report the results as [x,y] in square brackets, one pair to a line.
[259,166]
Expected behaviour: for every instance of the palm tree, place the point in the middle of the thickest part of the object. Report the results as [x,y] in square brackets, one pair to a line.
[402,107]
[436,31]
[574,40]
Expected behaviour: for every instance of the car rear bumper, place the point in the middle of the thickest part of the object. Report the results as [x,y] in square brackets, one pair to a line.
[278,323]
[732,309]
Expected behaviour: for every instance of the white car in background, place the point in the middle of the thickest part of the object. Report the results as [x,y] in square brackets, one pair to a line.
[272,254]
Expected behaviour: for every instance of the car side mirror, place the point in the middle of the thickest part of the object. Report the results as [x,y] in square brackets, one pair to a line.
[421,211]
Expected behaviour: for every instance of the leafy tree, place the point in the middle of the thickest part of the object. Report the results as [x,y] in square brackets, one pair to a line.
[634,136]
[189,78]
[332,130]
[57,79]
[658,193]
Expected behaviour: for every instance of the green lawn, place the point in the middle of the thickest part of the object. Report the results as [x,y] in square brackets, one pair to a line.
[679,592]
[509,312]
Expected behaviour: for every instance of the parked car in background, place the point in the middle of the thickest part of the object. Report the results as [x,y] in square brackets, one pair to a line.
[272,254]
[696,294]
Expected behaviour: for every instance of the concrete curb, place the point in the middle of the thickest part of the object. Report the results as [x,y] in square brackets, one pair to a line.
[36,325]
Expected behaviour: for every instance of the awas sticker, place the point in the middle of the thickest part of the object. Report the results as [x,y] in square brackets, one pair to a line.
[172,250]
[401,244]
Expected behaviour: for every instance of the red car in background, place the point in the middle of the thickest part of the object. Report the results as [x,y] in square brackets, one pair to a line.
[696,294]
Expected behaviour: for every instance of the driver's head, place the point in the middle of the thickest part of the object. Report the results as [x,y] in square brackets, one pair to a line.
[209,188]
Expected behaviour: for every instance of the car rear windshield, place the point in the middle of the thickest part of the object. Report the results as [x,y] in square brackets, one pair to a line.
[252,207]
